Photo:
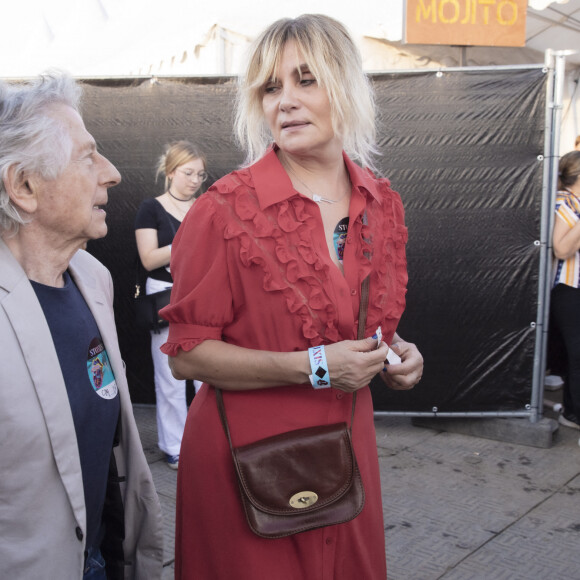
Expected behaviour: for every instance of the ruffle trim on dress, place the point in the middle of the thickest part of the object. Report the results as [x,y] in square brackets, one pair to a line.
[294,268]
[187,336]
[389,278]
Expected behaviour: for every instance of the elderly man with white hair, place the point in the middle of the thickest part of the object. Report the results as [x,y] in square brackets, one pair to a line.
[77,499]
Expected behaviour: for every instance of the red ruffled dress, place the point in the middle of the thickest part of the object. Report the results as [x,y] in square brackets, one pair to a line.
[251,267]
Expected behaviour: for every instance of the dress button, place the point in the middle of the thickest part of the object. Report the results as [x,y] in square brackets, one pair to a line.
[79,534]
[328,541]
[353,292]
[339,395]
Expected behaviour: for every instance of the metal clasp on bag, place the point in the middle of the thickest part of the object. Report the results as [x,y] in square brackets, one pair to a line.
[303,499]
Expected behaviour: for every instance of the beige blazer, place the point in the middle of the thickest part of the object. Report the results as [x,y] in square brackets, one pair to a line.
[42,510]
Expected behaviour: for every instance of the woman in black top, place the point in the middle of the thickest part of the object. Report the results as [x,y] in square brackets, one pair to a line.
[156,224]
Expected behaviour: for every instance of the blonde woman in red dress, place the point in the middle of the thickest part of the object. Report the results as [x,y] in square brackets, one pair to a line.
[267,264]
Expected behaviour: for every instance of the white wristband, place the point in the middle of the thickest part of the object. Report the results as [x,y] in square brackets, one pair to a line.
[320,377]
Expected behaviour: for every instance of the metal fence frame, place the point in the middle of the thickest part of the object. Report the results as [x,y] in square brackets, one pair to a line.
[554,66]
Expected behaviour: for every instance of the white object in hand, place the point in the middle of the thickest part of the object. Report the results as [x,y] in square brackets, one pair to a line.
[393,358]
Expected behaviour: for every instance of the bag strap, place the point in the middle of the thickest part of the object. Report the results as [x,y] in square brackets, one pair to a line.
[362,322]
[222,411]
[363,308]
[362,319]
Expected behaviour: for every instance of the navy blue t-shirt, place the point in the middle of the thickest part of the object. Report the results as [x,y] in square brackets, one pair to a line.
[91,387]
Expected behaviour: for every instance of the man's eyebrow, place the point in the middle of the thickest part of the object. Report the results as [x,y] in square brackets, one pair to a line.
[89,146]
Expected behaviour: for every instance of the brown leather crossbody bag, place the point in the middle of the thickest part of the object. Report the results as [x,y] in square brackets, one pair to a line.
[302,479]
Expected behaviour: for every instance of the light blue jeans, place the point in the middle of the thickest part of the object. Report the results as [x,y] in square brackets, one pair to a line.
[95,566]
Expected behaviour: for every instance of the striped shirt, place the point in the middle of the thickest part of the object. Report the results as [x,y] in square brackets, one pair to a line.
[568,209]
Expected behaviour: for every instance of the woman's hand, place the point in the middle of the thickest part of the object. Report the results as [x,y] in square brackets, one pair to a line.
[406,374]
[353,363]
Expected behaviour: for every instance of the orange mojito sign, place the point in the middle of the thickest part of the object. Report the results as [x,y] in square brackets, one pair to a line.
[466,22]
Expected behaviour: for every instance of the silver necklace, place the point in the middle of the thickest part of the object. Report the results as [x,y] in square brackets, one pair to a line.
[315,197]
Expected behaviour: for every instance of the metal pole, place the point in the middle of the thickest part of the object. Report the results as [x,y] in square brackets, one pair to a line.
[555,64]
[449,414]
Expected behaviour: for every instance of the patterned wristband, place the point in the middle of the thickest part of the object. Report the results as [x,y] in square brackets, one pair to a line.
[320,377]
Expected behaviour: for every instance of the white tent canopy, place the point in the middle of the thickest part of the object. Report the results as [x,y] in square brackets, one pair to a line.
[556,27]
[119,37]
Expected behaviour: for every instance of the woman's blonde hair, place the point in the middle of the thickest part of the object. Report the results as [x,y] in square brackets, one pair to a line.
[334,60]
[568,169]
[177,154]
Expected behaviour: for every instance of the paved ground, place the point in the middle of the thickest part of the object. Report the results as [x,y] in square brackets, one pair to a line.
[456,507]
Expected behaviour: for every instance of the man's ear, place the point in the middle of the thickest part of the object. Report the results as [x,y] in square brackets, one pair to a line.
[21,190]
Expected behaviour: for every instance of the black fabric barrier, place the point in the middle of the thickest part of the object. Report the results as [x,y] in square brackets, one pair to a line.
[462,147]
